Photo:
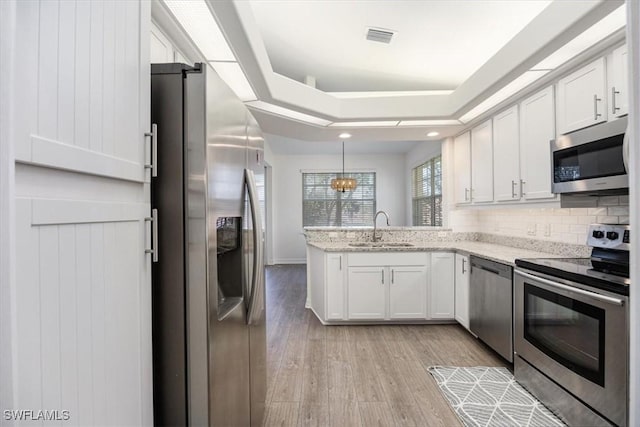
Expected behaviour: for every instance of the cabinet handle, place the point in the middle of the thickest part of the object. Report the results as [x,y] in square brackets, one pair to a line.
[613,100]
[464,260]
[522,183]
[513,189]
[392,276]
[382,276]
[153,165]
[154,235]
[340,262]
[466,194]
[595,107]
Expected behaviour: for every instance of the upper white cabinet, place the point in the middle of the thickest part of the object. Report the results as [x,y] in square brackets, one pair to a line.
[462,290]
[582,98]
[536,133]
[482,163]
[506,173]
[619,79]
[442,293]
[462,158]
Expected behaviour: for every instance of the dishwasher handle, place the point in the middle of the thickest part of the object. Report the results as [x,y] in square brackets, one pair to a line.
[491,267]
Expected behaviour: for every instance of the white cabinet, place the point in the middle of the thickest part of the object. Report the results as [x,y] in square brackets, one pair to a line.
[536,131]
[407,292]
[482,163]
[582,97]
[506,148]
[335,286]
[367,293]
[462,290]
[462,159]
[619,81]
[442,287]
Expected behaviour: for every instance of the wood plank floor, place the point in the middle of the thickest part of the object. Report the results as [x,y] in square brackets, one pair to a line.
[356,375]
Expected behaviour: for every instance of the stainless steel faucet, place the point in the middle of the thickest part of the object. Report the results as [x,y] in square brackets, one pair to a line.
[375,218]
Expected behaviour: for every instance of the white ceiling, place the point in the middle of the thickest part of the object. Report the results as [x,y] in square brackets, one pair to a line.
[291,146]
[482,50]
[437,46]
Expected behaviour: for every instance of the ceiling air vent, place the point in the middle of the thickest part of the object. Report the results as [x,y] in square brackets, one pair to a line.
[379,35]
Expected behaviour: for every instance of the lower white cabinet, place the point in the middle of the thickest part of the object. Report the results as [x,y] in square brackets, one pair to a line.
[442,285]
[462,290]
[367,293]
[380,286]
[407,292]
[335,285]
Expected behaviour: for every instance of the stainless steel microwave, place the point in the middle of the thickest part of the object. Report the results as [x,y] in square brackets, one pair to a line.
[592,160]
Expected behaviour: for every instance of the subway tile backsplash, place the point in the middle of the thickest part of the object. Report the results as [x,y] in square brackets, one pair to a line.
[566,225]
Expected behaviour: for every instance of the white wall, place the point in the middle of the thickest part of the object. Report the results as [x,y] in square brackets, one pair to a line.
[422,152]
[289,244]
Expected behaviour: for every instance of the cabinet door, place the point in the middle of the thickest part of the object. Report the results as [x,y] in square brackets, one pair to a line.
[482,163]
[407,293]
[462,159]
[442,285]
[506,167]
[536,132]
[582,98]
[367,292]
[335,286]
[619,89]
[462,290]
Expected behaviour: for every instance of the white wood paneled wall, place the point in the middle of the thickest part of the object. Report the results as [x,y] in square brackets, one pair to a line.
[81,315]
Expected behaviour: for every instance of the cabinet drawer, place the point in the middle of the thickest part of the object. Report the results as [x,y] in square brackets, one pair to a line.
[366,259]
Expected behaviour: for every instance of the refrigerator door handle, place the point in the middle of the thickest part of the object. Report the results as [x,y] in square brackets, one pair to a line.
[258,261]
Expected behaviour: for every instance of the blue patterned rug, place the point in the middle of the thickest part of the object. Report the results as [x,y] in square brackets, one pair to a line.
[491,397]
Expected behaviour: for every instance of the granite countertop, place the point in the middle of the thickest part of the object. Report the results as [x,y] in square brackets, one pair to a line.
[492,251]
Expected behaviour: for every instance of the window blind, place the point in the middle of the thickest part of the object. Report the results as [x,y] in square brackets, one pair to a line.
[427,193]
[323,206]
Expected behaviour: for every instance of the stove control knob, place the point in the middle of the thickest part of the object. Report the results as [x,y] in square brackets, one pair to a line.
[598,234]
[612,235]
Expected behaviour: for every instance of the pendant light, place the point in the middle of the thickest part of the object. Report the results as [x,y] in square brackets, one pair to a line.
[343,184]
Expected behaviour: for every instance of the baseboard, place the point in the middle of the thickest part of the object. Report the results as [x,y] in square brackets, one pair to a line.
[290,261]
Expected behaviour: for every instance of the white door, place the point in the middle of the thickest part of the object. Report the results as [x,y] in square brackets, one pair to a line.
[442,284]
[620,82]
[506,152]
[582,98]
[335,286]
[462,166]
[482,163]
[407,292]
[81,319]
[462,290]
[367,292]
[536,132]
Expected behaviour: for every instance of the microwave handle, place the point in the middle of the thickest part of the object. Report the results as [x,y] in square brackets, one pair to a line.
[625,150]
[573,289]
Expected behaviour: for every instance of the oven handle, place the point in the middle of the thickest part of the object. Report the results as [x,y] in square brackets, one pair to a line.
[603,298]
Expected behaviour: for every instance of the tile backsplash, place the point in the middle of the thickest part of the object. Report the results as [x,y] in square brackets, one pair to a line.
[567,225]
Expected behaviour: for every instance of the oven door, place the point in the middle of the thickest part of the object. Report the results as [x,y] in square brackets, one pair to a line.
[576,337]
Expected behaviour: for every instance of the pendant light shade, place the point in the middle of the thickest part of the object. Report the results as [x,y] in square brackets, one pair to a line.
[342,183]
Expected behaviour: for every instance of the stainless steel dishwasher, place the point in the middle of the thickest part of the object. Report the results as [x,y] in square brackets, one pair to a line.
[491,305]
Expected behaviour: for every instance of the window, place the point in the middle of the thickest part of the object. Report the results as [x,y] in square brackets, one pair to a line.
[323,206]
[427,193]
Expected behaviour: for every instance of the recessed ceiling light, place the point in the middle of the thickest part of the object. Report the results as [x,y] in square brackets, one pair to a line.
[344,135]
[434,133]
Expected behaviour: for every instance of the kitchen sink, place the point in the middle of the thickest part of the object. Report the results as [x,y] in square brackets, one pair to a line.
[380,245]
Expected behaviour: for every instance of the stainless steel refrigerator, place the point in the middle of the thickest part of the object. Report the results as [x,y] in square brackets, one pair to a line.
[209,339]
